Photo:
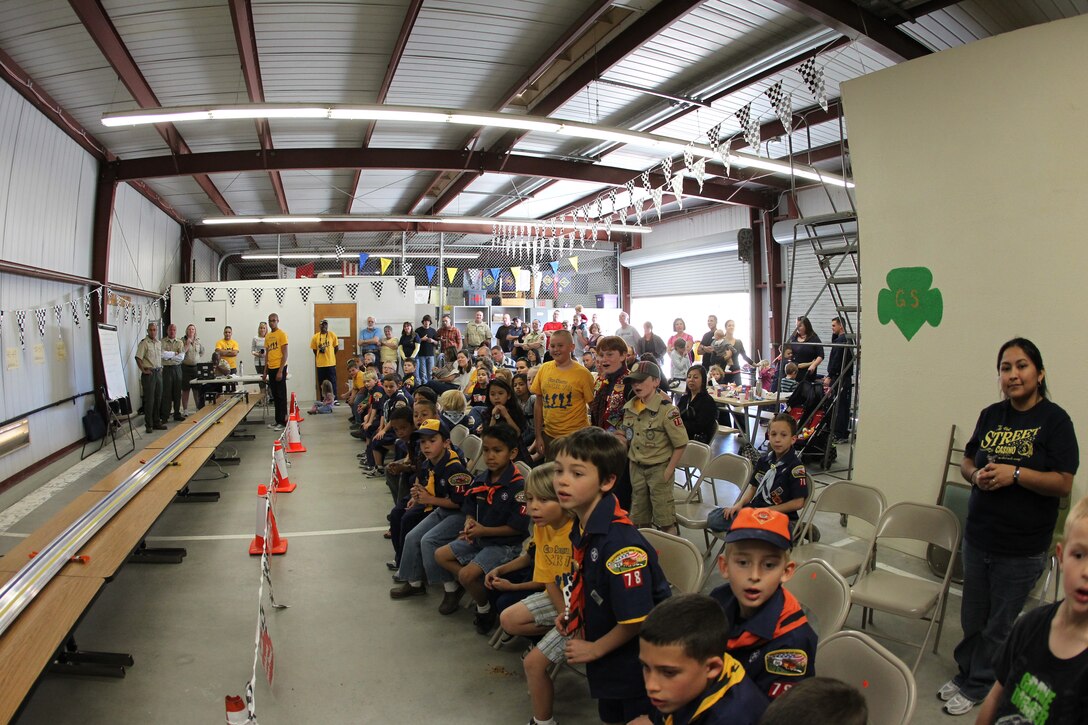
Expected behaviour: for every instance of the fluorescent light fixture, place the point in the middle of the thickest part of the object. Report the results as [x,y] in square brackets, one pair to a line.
[416,114]
[330,274]
[445,220]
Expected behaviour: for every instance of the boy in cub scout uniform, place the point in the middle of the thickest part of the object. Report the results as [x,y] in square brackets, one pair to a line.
[770,634]
[656,438]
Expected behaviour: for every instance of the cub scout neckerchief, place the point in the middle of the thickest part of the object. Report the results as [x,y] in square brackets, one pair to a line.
[791,617]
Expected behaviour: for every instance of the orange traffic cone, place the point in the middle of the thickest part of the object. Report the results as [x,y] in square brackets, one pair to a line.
[295,413]
[279,472]
[294,438]
[275,545]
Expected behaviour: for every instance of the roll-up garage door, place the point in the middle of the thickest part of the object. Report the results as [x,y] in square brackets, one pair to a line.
[808,287]
[702,274]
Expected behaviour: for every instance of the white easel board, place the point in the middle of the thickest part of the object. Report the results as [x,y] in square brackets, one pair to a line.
[110,348]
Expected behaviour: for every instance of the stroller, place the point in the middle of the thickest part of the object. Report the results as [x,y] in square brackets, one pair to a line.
[809,406]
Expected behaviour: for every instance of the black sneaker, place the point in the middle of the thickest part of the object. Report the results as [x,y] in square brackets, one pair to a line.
[485,621]
[451,601]
[406,590]
[392,565]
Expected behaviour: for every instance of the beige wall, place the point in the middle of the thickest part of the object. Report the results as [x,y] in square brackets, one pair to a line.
[969,162]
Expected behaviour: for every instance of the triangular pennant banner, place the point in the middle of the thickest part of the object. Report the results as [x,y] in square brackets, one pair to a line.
[573,262]
[363,257]
[281,293]
[56,313]
[75,312]
[330,290]
[188,293]
[209,292]
[402,284]
[20,321]
[750,125]
[257,291]
[554,266]
[377,285]
[304,293]
[340,251]
[658,195]
[814,79]
[451,272]
[232,295]
[431,269]
[87,306]
[677,184]
[40,314]
[353,289]
[782,103]
[384,262]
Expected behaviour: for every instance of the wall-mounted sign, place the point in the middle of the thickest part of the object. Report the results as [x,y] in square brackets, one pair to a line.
[910,300]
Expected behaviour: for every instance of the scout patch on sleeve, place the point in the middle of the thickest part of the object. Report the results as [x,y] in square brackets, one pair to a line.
[520,497]
[460,480]
[798,472]
[789,662]
[627,559]
[674,416]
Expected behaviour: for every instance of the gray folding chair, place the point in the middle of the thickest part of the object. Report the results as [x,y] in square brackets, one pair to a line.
[691,465]
[680,559]
[471,447]
[823,594]
[845,498]
[909,596]
[692,514]
[458,434]
[882,679]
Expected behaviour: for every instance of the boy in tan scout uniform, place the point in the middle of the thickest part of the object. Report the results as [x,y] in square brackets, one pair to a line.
[656,439]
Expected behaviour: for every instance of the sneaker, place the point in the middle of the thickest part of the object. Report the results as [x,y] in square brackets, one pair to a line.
[392,565]
[398,580]
[948,690]
[959,705]
[451,601]
[406,590]
[485,621]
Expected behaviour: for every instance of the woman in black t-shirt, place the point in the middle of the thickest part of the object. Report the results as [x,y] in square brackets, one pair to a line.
[409,342]
[697,409]
[1020,461]
[808,352]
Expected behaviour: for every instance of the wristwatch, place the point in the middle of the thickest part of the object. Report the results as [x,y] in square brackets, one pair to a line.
[1016,475]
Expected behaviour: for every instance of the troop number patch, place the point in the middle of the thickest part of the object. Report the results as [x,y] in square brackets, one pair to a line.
[626,559]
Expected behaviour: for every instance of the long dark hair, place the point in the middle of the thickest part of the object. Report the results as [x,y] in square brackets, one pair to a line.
[701,372]
[513,405]
[809,332]
[1032,351]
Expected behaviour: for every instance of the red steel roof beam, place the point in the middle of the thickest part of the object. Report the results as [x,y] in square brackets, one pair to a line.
[853,20]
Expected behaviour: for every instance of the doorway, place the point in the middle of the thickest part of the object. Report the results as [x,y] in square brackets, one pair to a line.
[341,317]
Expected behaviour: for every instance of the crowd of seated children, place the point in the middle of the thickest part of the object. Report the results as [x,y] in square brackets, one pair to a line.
[779,481]
[454,411]
[379,443]
[496,523]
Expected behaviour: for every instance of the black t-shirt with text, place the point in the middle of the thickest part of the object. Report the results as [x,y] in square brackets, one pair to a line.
[1012,520]
[1039,687]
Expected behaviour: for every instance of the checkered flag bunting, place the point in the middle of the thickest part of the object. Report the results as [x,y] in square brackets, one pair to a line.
[813,76]
[402,283]
[281,293]
[257,292]
[209,292]
[749,125]
[340,251]
[125,317]
[666,167]
[87,307]
[39,315]
[20,322]
[304,293]
[188,293]
[677,184]
[56,314]
[657,195]
[377,285]
[102,292]
[782,103]
[75,311]
[353,289]
[232,295]
[330,290]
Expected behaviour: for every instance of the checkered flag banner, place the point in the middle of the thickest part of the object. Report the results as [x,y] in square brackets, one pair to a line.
[39,315]
[257,292]
[56,313]
[87,306]
[232,295]
[657,195]
[125,316]
[304,293]
[749,125]
[75,311]
[340,251]
[330,290]
[782,103]
[714,135]
[102,292]
[353,289]
[281,292]
[666,167]
[813,76]
[188,293]
[377,285]
[402,283]
[209,292]
[20,322]
[677,184]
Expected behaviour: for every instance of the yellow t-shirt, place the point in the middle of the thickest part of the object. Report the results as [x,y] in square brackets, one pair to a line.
[325,359]
[229,345]
[358,382]
[565,396]
[553,552]
[274,342]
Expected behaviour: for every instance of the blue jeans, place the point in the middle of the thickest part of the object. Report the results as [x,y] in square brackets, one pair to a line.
[994,591]
[417,556]
[424,367]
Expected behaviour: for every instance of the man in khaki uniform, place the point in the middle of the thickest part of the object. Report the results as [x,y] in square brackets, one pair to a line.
[477,333]
[149,358]
[656,439]
[173,353]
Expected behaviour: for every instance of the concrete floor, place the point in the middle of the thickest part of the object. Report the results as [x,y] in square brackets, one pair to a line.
[345,652]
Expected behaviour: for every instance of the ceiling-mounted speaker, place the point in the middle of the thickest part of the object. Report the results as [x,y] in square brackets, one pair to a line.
[745,244]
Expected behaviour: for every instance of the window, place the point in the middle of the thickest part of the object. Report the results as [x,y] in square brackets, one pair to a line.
[694,309]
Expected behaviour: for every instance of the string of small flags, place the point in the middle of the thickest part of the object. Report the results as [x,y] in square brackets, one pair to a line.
[561,234]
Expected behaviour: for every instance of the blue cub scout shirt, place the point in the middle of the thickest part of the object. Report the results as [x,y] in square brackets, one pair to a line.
[499,504]
[731,699]
[621,582]
[778,481]
[451,479]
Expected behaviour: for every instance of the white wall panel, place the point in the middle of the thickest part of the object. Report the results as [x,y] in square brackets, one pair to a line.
[144,243]
[38,382]
[46,191]
[205,263]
